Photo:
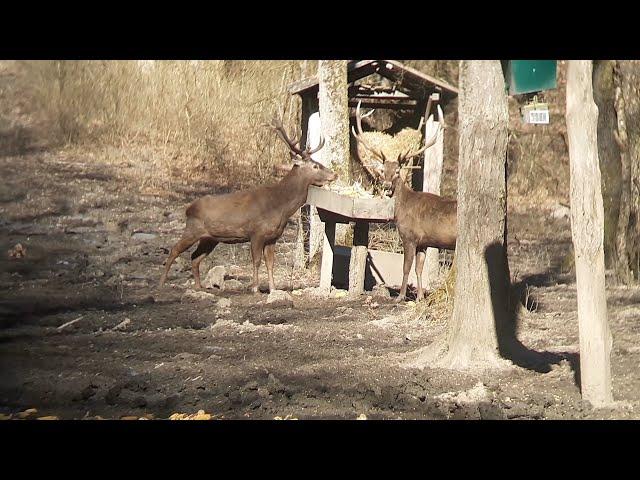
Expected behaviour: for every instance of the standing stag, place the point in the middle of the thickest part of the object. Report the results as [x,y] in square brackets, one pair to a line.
[423,219]
[258,215]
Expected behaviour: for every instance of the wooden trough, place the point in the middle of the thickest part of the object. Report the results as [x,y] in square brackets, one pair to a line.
[366,267]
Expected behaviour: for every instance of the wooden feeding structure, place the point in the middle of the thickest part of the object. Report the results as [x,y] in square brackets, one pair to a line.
[417,95]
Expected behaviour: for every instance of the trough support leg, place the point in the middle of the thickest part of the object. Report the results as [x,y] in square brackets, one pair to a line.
[326,268]
[358,261]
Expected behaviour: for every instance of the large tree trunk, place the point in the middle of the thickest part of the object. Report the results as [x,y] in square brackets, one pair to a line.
[587,229]
[334,116]
[482,280]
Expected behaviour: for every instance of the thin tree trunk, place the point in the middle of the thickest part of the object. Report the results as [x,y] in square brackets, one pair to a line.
[608,153]
[629,73]
[587,229]
[621,255]
[482,280]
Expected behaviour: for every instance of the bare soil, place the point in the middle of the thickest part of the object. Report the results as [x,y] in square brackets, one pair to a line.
[80,217]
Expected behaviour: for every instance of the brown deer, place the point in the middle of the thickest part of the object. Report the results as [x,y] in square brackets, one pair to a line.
[423,219]
[258,215]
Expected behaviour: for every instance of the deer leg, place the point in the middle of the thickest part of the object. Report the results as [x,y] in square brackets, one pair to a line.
[205,247]
[269,257]
[257,246]
[409,253]
[184,243]
[420,256]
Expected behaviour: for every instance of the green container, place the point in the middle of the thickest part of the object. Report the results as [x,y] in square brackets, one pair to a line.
[528,76]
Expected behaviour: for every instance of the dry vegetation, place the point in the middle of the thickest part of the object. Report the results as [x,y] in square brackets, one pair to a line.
[179,121]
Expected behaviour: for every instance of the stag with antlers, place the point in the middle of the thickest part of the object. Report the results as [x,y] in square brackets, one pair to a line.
[258,215]
[423,219]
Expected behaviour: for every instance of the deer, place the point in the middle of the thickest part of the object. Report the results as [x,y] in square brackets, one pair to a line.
[258,215]
[423,219]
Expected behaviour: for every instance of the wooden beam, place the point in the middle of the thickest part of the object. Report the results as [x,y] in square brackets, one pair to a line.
[355,71]
[392,103]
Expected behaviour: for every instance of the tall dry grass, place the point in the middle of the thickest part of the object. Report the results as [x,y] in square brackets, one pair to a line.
[179,120]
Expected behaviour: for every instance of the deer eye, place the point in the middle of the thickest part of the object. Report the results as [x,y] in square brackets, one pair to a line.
[315,167]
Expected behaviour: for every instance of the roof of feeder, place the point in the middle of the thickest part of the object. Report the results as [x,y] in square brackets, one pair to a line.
[407,79]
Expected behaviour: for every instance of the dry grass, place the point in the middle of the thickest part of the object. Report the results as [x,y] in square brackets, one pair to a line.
[177,119]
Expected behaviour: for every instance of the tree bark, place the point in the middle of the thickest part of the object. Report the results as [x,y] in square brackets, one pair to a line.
[608,153]
[482,280]
[587,229]
[334,117]
[628,76]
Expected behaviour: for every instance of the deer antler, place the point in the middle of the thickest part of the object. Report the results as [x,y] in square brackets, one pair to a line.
[359,137]
[429,142]
[276,124]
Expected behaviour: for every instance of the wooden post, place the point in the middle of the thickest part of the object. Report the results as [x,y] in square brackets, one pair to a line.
[315,224]
[587,231]
[432,171]
[358,261]
[326,268]
[309,106]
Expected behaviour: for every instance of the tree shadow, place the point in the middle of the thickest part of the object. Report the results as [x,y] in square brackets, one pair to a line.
[505,299]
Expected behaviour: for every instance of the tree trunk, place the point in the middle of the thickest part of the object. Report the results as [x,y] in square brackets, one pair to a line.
[615,91]
[628,80]
[482,280]
[608,153]
[587,230]
[334,117]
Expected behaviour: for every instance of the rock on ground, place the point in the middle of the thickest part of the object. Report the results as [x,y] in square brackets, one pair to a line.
[280,297]
[196,295]
[215,277]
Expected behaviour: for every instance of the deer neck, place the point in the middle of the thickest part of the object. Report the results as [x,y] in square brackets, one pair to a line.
[400,191]
[293,191]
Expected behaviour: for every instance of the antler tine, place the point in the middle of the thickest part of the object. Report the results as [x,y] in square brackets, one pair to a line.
[368,114]
[276,124]
[432,140]
[320,145]
[359,138]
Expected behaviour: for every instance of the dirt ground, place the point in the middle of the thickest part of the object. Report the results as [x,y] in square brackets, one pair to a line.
[86,333]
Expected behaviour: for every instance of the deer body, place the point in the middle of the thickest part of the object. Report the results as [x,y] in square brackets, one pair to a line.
[258,215]
[423,220]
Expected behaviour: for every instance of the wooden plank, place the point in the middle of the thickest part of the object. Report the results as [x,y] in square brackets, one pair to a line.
[373,208]
[370,209]
[447,88]
[326,267]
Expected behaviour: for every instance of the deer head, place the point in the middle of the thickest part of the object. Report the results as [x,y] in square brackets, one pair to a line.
[313,172]
[390,170]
